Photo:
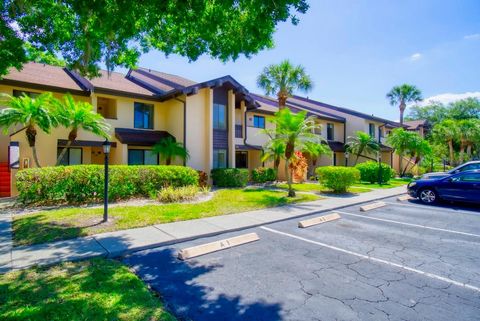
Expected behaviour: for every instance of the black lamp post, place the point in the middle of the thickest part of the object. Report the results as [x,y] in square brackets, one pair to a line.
[347,154]
[106,150]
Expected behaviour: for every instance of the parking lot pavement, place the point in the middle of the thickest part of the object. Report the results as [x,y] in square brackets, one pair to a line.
[401,262]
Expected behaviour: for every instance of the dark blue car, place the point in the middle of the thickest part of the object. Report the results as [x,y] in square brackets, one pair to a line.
[462,187]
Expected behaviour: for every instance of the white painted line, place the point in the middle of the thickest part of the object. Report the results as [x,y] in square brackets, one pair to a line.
[318,220]
[435,207]
[410,224]
[202,249]
[374,259]
[372,206]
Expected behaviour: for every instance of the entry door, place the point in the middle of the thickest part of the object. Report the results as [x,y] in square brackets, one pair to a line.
[241,159]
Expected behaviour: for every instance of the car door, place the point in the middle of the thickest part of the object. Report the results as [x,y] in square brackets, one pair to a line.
[460,187]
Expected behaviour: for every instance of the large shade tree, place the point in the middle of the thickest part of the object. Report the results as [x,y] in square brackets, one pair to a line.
[294,130]
[31,112]
[76,115]
[402,95]
[447,132]
[116,33]
[362,144]
[283,80]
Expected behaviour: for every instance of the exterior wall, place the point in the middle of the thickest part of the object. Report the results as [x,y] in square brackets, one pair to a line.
[254,135]
[199,130]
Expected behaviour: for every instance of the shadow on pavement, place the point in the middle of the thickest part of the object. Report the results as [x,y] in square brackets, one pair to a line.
[175,281]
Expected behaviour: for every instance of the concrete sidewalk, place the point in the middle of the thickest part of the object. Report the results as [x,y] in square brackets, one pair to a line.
[114,244]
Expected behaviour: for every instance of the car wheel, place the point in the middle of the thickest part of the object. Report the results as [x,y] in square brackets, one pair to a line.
[428,196]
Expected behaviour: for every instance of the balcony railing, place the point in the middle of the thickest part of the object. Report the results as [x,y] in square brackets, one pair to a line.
[238,131]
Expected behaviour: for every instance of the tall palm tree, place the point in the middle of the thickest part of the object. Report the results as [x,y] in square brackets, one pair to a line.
[448,132]
[315,150]
[283,79]
[169,149]
[31,112]
[76,115]
[293,130]
[402,95]
[362,145]
[419,150]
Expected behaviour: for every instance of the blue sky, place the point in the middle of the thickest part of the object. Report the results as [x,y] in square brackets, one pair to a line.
[356,50]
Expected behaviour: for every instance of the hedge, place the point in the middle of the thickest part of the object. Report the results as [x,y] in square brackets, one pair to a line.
[263,175]
[230,177]
[84,183]
[369,172]
[337,178]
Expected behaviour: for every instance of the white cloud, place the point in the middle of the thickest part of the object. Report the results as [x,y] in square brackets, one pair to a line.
[474,36]
[416,56]
[447,98]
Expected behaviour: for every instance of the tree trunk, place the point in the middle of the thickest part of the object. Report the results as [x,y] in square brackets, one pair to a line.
[462,151]
[402,110]
[31,133]
[400,163]
[72,136]
[291,192]
[168,161]
[282,101]
[450,147]
[276,165]
[469,151]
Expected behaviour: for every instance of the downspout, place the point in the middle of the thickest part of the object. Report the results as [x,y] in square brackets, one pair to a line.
[345,140]
[184,102]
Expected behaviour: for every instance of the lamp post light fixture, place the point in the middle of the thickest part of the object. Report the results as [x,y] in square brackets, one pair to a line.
[106,151]
[347,154]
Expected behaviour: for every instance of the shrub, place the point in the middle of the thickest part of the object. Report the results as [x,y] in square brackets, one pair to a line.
[338,178]
[369,172]
[172,194]
[230,177]
[202,179]
[84,183]
[263,175]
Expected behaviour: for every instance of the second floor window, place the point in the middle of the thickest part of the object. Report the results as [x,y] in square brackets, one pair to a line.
[219,116]
[258,121]
[330,129]
[143,116]
[371,129]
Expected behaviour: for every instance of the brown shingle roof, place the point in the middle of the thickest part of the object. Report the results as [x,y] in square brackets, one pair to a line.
[173,80]
[42,74]
[118,82]
[414,124]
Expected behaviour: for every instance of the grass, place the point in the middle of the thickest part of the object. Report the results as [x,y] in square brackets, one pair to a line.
[73,222]
[97,289]
[315,187]
[395,182]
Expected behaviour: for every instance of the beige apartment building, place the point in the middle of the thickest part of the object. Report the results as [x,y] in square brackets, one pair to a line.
[219,121]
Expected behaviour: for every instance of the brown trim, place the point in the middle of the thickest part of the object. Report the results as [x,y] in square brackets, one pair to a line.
[17,83]
[127,94]
[83,143]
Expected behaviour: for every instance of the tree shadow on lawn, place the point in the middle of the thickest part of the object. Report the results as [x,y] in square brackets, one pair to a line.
[177,283]
[98,289]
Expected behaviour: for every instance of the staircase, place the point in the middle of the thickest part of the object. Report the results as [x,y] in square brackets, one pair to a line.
[4,180]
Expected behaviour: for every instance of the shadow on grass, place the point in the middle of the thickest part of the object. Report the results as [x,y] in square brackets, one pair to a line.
[177,282]
[98,289]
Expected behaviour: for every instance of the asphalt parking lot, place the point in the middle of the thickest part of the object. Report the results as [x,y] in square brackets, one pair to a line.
[404,261]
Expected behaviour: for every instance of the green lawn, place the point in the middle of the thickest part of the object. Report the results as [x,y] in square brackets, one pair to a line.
[392,183]
[72,222]
[315,187]
[97,289]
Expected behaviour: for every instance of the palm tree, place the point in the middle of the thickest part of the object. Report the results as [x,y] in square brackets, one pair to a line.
[315,150]
[403,142]
[76,115]
[419,149]
[447,131]
[274,152]
[469,134]
[294,131]
[169,149]
[31,113]
[283,79]
[362,145]
[402,95]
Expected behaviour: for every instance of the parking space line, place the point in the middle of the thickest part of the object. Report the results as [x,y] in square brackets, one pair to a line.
[374,259]
[410,224]
[430,207]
